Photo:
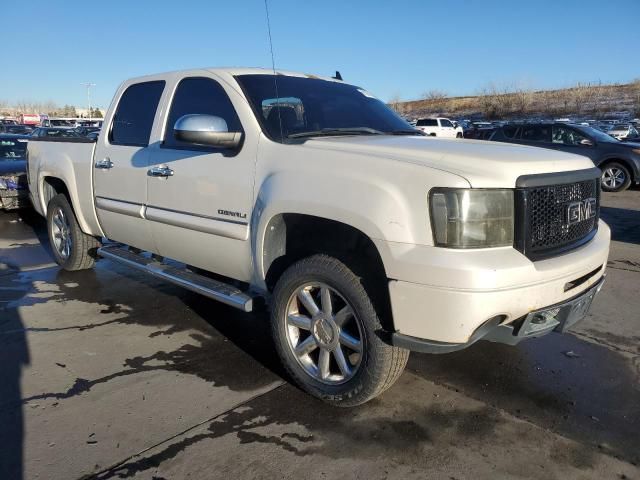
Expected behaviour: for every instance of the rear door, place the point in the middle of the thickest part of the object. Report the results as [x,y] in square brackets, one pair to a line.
[447,129]
[121,162]
[200,214]
[538,135]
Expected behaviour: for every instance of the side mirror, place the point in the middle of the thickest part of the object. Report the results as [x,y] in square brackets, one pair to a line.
[586,142]
[206,130]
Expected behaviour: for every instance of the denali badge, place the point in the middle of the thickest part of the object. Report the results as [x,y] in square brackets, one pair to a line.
[582,210]
[232,214]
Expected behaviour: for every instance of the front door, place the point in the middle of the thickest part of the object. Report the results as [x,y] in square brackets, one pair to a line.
[121,164]
[199,212]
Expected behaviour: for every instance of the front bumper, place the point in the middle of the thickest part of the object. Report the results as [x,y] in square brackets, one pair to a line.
[453,297]
[555,318]
[13,199]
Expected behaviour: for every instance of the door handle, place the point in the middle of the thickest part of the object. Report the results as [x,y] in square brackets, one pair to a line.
[160,172]
[104,164]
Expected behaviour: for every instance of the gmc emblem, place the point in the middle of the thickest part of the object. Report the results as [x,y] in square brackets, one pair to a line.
[582,210]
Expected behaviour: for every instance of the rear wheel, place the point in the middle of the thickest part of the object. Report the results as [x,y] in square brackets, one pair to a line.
[326,331]
[458,135]
[615,177]
[72,248]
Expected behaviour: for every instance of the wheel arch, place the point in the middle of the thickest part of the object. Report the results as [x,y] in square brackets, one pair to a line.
[633,170]
[289,237]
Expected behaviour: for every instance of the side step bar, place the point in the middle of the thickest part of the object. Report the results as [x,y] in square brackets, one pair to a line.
[206,286]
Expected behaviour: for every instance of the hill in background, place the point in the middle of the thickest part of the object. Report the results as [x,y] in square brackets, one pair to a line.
[493,103]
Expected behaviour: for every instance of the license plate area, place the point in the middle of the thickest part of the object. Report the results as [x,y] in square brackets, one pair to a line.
[559,317]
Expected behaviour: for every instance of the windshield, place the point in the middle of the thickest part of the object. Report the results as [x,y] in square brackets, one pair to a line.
[305,107]
[597,134]
[12,150]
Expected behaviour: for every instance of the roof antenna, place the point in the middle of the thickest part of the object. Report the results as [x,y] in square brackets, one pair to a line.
[337,76]
[275,75]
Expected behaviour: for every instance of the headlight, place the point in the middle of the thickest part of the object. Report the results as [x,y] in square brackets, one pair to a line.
[3,184]
[471,218]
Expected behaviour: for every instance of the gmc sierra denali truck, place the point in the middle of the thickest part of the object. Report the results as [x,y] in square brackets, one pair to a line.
[366,238]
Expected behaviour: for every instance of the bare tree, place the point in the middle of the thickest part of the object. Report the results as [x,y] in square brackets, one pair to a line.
[396,103]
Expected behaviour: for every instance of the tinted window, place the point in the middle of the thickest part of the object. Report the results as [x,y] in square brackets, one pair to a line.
[567,136]
[446,123]
[12,149]
[133,119]
[427,122]
[509,131]
[536,133]
[199,95]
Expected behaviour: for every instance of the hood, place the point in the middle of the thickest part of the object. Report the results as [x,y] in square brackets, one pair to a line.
[13,167]
[483,164]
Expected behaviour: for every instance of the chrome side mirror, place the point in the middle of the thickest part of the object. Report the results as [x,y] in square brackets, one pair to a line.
[586,142]
[206,130]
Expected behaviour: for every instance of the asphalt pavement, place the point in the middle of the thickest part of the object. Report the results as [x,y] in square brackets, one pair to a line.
[109,373]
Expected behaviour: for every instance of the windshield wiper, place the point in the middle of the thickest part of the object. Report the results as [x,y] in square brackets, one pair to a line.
[406,132]
[337,131]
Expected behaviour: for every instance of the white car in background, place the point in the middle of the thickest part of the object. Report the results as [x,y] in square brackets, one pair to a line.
[623,132]
[439,127]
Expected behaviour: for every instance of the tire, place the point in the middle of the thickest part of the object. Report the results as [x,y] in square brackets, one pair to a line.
[72,248]
[615,177]
[353,324]
[458,135]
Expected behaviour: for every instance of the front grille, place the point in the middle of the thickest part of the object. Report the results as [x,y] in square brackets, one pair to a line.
[546,226]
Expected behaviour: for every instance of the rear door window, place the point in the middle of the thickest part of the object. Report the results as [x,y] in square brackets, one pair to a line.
[134,115]
[536,133]
[509,131]
[427,122]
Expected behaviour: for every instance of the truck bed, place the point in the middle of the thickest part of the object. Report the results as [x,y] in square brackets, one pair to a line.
[71,161]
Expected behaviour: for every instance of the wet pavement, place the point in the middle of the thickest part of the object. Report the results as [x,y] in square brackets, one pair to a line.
[109,373]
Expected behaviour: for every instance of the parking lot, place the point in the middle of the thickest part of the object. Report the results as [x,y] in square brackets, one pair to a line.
[111,374]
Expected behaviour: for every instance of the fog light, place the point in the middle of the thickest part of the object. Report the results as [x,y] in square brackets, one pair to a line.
[542,321]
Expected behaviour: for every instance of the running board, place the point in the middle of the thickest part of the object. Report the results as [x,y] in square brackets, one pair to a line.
[206,286]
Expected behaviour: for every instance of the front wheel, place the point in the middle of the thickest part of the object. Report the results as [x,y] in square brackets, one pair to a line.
[615,177]
[72,248]
[326,329]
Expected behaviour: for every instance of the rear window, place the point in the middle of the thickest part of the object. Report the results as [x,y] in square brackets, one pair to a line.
[427,122]
[134,116]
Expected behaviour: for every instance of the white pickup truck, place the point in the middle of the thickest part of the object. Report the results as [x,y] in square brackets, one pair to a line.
[366,238]
[439,127]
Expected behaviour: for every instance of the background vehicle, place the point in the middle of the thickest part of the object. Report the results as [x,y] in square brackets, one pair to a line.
[29,119]
[16,129]
[52,132]
[84,131]
[439,127]
[367,238]
[13,168]
[619,161]
[623,132]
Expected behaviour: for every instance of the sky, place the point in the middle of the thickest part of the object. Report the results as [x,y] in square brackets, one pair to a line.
[392,48]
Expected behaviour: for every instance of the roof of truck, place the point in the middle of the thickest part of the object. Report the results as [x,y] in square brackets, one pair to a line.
[235,71]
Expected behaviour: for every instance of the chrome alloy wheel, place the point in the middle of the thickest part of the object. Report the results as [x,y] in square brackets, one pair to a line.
[613,177]
[324,334]
[61,233]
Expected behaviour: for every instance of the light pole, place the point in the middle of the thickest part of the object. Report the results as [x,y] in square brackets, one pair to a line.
[89,85]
